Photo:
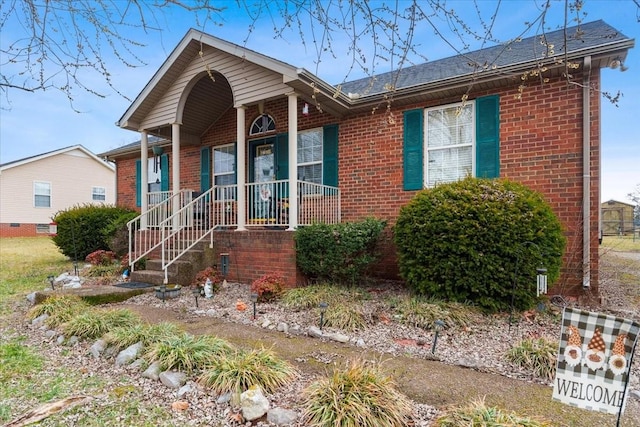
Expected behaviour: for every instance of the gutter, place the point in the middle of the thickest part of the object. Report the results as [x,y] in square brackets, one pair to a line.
[586,174]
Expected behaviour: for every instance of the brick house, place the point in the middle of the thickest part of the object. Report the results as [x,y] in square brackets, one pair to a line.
[34,189]
[232,128]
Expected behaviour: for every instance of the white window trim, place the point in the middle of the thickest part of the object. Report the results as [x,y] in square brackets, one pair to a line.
[425,145]
[219,193]
[36,194]
[103,194]
[317,162]
[261,117]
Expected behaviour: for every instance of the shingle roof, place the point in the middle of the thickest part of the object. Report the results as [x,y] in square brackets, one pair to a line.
[586,36]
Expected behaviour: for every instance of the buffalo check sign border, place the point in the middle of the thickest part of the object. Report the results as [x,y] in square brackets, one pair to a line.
[594,358]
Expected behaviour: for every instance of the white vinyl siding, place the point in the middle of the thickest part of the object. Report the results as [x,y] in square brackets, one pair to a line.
[66,173]
[310,156]
[249,83]
[449,143]
[41,194]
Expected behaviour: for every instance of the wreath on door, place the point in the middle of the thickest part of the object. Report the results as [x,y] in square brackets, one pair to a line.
[265,192]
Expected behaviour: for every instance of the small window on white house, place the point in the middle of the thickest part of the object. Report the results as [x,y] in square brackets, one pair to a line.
[262,124]
[310,156]
[42,194]
[224,170]
[98,194]
[42,228]
[449,146]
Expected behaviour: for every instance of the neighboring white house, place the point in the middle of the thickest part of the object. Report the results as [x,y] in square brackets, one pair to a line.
[34,189]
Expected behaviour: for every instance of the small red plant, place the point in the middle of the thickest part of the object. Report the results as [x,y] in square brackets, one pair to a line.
[208,273]
[268,286]
[101,257]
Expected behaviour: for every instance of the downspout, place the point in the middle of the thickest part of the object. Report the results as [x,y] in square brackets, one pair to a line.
[586,174]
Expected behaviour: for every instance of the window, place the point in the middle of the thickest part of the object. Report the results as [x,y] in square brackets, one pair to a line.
[224,170]
[262,124]
[310,156]
[449,143]
[98,194]
[42,194]
[42,228]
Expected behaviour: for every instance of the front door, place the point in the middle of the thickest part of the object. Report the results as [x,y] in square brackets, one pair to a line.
[262,172]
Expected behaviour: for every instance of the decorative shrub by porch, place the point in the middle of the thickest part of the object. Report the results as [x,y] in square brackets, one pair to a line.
[477,240]
[81,229]
[268,286]
[338,252]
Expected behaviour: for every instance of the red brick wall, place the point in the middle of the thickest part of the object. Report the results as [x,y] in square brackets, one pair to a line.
[541,146]
[22,230]
[258,252]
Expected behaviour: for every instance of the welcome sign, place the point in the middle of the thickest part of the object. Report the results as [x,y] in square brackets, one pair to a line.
[594,360]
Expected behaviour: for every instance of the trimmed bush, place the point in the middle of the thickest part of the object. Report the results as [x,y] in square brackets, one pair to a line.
[81,229]
[465,241]
[338,252]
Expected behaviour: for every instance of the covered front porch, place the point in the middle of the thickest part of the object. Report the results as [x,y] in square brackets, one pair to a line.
[167,234]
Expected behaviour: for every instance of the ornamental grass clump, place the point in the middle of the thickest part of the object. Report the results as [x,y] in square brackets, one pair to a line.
[422,313]
[59,308]
[478,414]
[347,317]
[238,371]
[147,334]
[360,395]
[303,298]
[536,355]
[95,323]
[188,353]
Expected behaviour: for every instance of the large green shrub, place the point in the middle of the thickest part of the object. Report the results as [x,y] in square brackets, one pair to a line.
[479,240]
[81,229]
[116,233]
[338,252]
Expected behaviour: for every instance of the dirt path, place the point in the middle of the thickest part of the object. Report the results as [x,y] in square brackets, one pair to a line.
[425,381]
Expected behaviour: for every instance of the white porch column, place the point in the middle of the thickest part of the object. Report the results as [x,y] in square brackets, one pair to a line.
[144,177]
[175,164]
[293,161]
[241,167]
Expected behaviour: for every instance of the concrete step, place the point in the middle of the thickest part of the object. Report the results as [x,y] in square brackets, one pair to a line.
[181,271]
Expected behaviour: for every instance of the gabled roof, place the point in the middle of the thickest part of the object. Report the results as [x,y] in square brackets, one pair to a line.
[445,78]
[611,202]
[179,58]
[48,154]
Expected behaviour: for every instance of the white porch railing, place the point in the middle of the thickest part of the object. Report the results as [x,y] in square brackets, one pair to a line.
[145,233]
[267,205]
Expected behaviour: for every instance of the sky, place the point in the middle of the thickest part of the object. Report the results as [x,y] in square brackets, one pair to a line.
[34,123]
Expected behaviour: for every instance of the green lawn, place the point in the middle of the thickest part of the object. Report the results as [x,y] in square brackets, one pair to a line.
[25,263]
[621,243]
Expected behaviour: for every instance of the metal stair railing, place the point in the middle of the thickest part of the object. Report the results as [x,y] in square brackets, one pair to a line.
[185,228]
[145,232]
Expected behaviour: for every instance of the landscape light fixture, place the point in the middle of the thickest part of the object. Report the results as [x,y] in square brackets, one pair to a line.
[438,325]
[196,293]
[51,280]
[224,264]
[163,290]
[323,309]
[254,300]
